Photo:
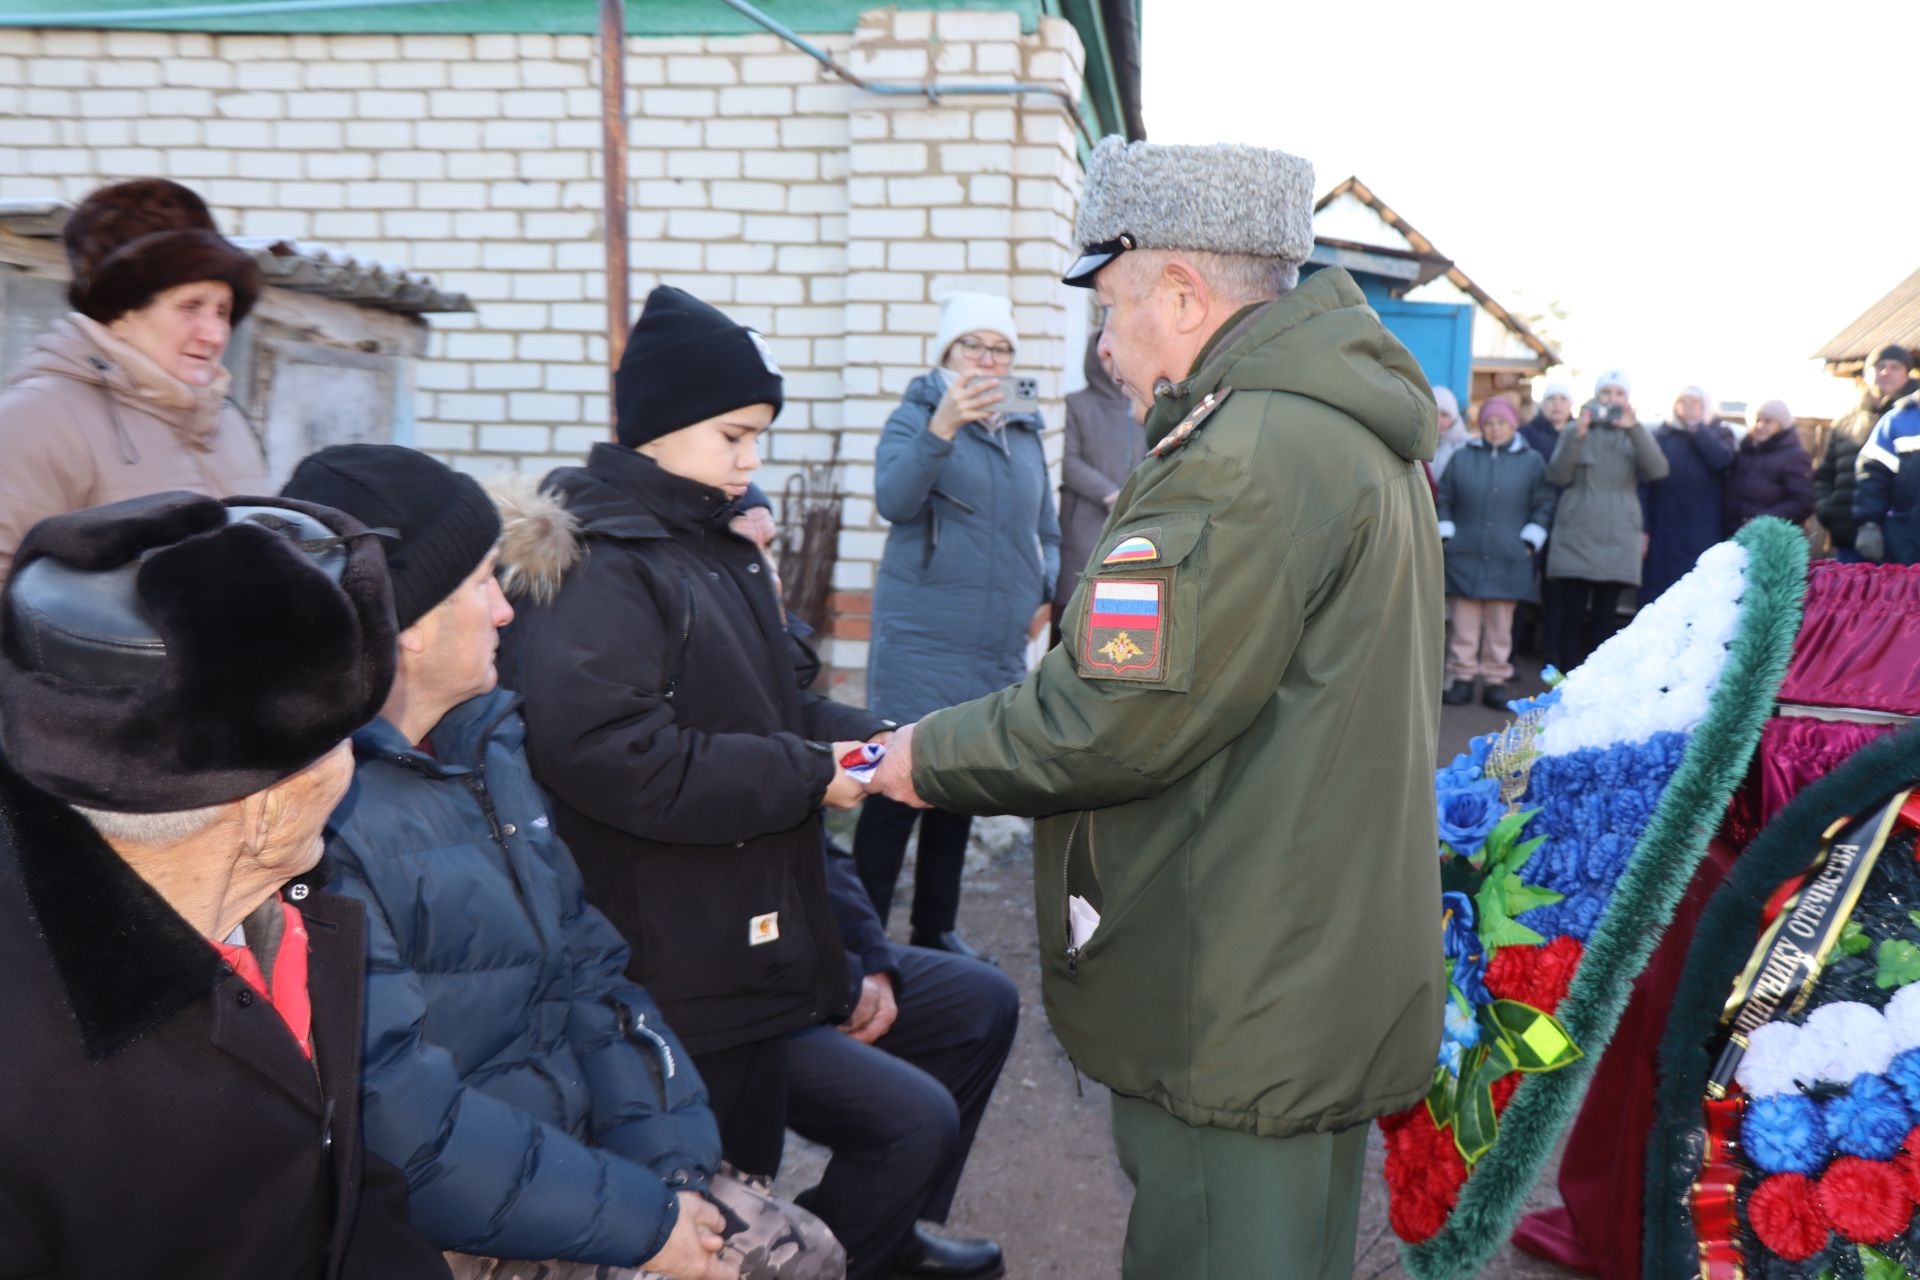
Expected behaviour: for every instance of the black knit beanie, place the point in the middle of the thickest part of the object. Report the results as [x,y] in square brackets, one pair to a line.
[445,521]
[1890,351]
[686,362]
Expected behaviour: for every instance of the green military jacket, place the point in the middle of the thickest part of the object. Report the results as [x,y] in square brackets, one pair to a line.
[1231,751]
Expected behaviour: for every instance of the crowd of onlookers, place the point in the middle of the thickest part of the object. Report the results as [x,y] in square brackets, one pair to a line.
[1551,524]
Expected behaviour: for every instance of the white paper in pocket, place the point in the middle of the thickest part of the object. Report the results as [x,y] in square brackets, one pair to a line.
[1082,918]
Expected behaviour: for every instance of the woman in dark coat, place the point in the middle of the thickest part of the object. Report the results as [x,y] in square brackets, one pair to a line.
[1682,511]
[1495,508]
[965,582]
[666,716]
[1772,474]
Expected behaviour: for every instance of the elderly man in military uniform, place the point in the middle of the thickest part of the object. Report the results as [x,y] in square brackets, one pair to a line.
[1231,752]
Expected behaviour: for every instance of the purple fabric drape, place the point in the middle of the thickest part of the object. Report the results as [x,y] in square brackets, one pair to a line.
[1859,644]
[1794,750]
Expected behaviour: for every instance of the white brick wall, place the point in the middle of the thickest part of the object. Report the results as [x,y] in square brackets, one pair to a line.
[829,218]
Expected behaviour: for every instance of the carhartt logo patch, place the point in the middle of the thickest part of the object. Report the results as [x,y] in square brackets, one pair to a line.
[763,929]
[1123,629]
[1138,549]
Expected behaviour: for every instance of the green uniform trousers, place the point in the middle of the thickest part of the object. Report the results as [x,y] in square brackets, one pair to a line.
[1213,1204]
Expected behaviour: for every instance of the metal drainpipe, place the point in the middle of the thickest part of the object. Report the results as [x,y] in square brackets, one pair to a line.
[929,90]
[613,183]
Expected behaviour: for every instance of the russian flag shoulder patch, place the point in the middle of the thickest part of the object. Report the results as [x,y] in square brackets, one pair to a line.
[1123,629]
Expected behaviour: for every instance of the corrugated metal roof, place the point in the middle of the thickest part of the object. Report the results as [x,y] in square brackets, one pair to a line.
[1425,249]
[300,265]
[1895,318]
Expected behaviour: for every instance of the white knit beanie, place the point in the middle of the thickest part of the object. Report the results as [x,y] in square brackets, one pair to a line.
[1613,378]
[965,313]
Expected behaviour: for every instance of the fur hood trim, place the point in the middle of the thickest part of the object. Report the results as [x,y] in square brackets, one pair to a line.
[540,539]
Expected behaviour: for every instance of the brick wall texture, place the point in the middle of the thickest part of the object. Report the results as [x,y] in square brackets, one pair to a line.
[829,218]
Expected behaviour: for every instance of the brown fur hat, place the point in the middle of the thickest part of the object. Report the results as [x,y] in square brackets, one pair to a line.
[132,240]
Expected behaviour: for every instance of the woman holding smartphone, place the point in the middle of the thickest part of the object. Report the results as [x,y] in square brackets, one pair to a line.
[964,584]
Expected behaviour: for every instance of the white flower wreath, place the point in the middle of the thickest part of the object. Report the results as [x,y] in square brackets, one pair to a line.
[1659,672]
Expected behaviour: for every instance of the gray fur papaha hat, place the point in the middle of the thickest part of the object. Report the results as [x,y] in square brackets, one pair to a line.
[1220,199]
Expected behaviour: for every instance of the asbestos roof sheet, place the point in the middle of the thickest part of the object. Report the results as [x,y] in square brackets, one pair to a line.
[300,265]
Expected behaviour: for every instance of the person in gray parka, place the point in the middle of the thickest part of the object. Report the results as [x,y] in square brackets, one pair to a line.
[1495,507]
[1104,445]
[965,583]
[1598,541]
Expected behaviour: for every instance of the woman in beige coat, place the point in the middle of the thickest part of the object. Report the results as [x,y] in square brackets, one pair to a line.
[126,396]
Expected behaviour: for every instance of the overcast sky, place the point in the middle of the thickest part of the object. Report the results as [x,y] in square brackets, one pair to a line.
[1711,192]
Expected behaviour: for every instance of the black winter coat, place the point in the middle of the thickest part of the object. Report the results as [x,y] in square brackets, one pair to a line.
[1774,478]
[666,716]
[156,1116]
[1682,512]
[1833,478]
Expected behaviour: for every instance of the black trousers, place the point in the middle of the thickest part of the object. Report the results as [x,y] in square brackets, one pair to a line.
[880,847]
[1588,615]
[900,1115]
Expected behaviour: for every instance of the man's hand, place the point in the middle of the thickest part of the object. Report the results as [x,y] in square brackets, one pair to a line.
[845,790]
[894,778]
[1584,421]
[692,1252]
[875,1013]
[756,526]
[1870,544]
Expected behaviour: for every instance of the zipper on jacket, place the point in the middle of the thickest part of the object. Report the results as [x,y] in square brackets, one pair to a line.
[686,638]
[1066,896]
[633,1024]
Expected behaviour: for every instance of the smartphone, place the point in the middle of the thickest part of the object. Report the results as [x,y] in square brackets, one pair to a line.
[1018,394]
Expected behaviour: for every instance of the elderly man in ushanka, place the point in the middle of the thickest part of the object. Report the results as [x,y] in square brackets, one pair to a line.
[1231,751]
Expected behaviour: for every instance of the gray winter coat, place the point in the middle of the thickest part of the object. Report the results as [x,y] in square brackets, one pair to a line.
[1104,444]
[1596,527]
[1495,509]
[973,551]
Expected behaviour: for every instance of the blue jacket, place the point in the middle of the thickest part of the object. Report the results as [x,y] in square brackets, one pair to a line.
[536,1101]
[973,551]
[1885,493]
[1682,513]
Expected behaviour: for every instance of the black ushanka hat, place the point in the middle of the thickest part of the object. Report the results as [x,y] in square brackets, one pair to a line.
[175,651]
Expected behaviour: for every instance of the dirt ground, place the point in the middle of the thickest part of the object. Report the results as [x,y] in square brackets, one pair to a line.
[1043,1180]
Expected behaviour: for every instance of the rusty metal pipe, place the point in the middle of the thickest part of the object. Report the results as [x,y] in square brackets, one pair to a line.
[613,176]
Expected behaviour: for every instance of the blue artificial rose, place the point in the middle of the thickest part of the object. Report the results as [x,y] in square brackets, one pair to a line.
[1870,1120]
[1783,1134]
[1469,977]
[1905,1074]
[1467,813]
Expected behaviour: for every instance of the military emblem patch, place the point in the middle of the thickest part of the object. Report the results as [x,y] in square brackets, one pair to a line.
[1134,550]
[1123,628]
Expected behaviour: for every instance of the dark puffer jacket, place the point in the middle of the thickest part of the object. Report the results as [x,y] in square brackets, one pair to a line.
[535,1097]
[1887,493]
[666,716]
[1773,477]
[1833,479]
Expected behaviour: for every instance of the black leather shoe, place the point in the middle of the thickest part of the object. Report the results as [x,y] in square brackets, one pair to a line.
[931,1257]
[1495,696]
[1458,694]
[950,942]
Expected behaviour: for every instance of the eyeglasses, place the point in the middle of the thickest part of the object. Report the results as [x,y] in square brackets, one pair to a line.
[973,349]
